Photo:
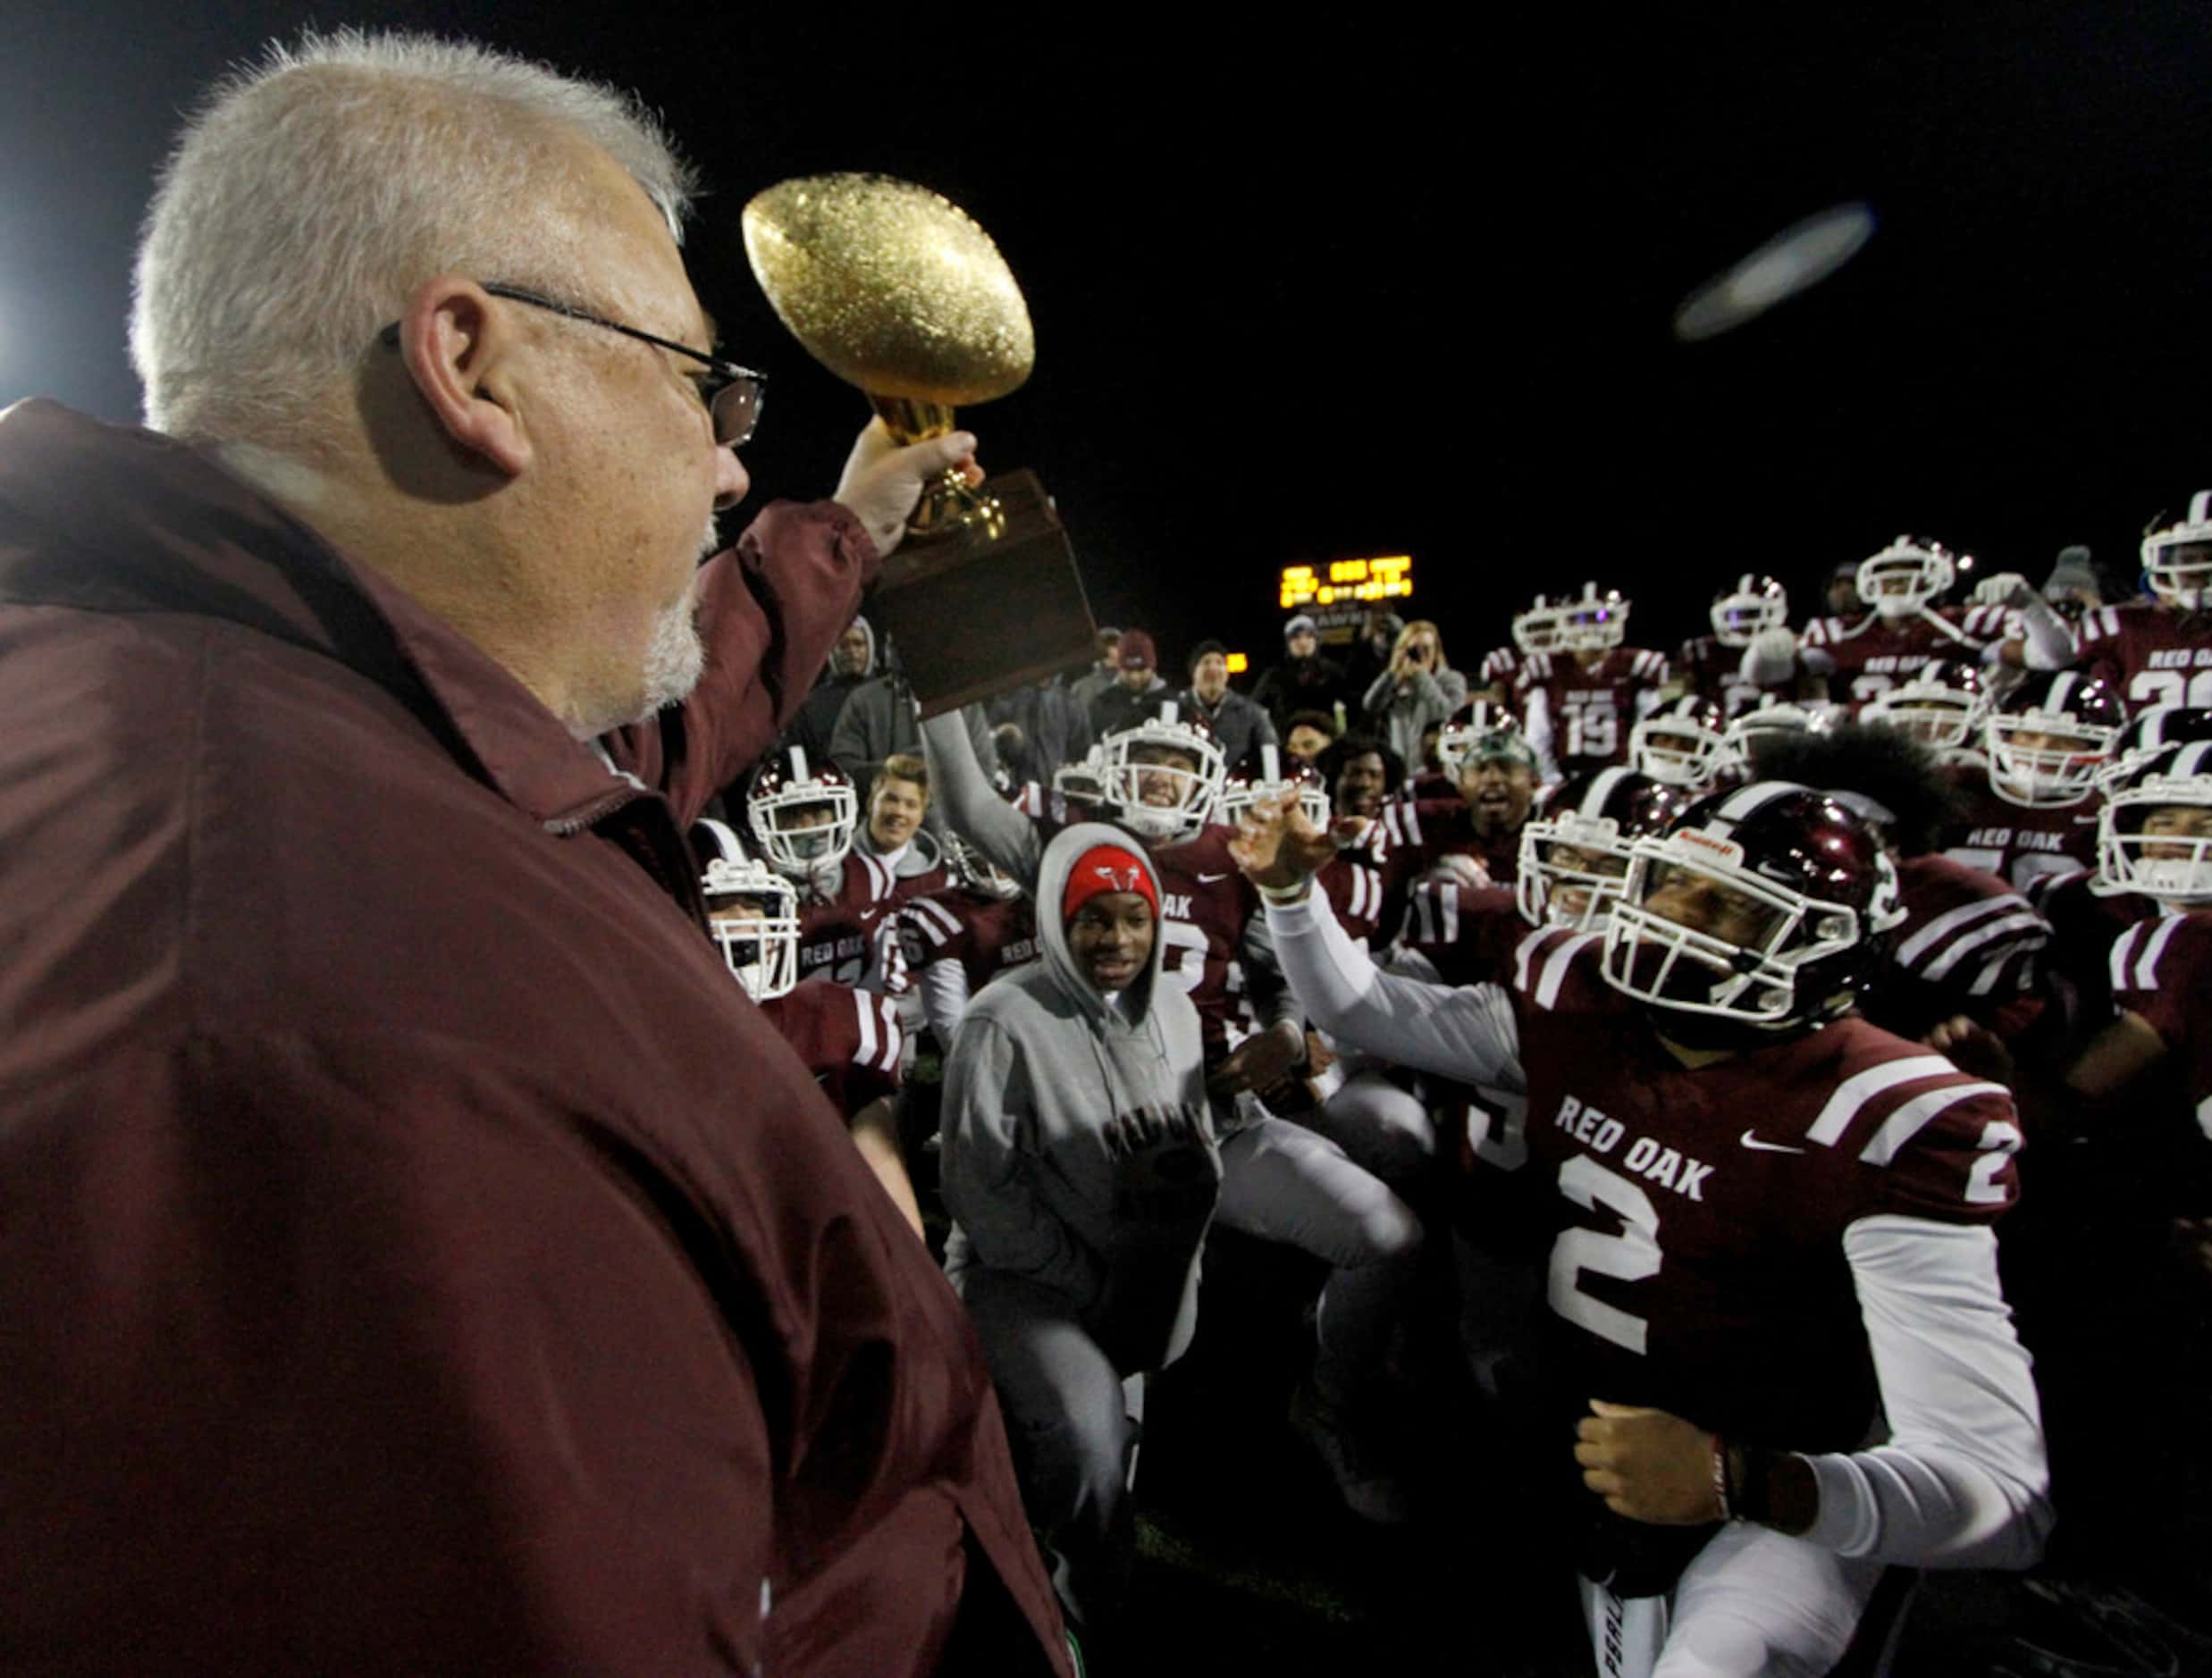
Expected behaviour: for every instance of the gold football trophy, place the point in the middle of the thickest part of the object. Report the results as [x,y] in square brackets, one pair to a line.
[895,289]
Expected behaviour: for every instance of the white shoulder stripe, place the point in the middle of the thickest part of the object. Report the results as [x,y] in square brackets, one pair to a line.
[2124,952]
[1854,1092]
[863,1006]
[1914,1116]
[2027,922]
[2146,968]
[1525,952]
[1556,965]
[893,1037]
[1950,920]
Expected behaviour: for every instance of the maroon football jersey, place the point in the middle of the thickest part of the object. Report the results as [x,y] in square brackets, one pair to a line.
[1969,944]
[2013,842]
[1205,904]
[2148,654]
[1712,671]
[1591,710]
[851,938]
[1422,831]
[1699,1264]
[1365,884]
[986,934]
[2084,925]
[1467,936]
[1500,665]
[849,1039]
[2162,971]
[1874,656]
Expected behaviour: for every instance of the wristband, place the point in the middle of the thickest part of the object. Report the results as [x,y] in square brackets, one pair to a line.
[1285,894]
[1722,1492]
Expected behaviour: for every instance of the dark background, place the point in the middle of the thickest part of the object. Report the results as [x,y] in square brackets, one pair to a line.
[1398,288]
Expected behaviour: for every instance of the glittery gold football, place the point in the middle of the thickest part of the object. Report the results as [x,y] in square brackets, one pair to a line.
[891,288]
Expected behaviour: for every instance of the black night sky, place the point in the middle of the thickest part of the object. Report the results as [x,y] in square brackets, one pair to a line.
[1397,288]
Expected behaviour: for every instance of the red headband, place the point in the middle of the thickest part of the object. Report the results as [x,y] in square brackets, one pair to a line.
[1106,868]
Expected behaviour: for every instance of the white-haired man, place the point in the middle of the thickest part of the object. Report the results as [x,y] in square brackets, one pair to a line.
[416,1255]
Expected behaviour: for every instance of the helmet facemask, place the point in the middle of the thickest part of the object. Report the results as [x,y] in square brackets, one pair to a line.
[1572,868]
[2043,760]
[2155,838]
[1943,717]
[2177,560]
[1537,629]
[1592,624]
[1904,578]
[1162,779]
[805,830]
[754,915]
[1739,616]
[1677,752]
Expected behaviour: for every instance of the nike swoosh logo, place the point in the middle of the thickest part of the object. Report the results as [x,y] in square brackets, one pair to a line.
[1211,879]
[1750,1141]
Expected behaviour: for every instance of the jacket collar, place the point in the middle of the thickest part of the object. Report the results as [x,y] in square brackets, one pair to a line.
[113,518]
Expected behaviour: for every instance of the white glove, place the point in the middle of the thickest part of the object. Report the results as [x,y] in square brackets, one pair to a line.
[882,482]
[1771,659]
[2000,589]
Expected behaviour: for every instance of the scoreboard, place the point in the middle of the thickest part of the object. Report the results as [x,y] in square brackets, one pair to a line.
[1347,581]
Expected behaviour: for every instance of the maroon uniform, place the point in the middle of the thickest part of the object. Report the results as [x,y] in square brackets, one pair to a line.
[2162,971]
[1585,716]
[2150,655]
[1969,944]
[1469,936]
[986,934]
[1864,662]
[1699,1263]
[1500,665]
[2015,842]
[1422,831]
[2084,925]
[851,938]
[1365,883]
[1713,671]
[849,1039]
[1205,905]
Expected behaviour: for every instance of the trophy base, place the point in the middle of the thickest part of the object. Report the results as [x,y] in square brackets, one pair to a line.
[974,613]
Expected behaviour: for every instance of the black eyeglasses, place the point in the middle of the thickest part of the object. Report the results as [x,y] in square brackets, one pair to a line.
[732,393]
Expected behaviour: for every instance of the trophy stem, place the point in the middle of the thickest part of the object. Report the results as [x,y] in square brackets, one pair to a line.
[950,503]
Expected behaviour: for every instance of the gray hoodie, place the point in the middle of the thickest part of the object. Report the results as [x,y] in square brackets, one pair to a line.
[1042,1061]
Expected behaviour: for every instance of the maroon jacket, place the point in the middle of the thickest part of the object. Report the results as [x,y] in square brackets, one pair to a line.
[416,1255]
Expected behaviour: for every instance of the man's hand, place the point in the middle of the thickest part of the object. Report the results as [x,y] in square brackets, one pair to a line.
[1647,1466]
[1278,846]
[1259,1062]
[882,482]
[1973,1048]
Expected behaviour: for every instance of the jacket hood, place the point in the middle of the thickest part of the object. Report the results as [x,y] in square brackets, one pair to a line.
[1051,883]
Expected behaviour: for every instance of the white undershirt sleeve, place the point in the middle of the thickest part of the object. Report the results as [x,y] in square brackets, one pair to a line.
[945,996]
[1468,1033]
[1963,1480]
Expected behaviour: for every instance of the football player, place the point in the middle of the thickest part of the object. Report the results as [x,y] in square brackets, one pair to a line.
[2032,810]
[1943,705]
[1712,667]
[1900,634]
[849,1039]
[959,939]
[1773,1281]
[802,817]
[1685,743]
[2160,651]
[1579,701]
[1498,777]
[1535,630]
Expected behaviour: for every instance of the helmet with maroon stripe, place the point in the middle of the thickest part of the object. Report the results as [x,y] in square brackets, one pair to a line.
[2048,736]
[1575,852]
[1907,576]
[752,910]
[1771,716]
[2177,557]
[1942,704]
[2147,731]
[1455,744]
[2154,835]
[1537,629]
[1269,775]
[1594,622]
[1684,743]
[1759,914]
[801,815]
[1754,604]
[1162,777]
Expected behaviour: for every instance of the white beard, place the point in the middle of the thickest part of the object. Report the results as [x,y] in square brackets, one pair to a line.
[675,658]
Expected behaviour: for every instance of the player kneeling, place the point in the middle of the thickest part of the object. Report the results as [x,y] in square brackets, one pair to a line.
[1771,1281]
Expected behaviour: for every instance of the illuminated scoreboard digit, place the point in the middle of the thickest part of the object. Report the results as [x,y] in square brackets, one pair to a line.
[1348,581]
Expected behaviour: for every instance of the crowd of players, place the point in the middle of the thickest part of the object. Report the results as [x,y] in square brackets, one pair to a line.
[1685,1012]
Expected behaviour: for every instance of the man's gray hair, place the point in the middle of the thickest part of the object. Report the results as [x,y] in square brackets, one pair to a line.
[316,189]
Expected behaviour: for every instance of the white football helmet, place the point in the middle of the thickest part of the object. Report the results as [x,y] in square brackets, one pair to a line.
[1455,743]
[1771,716]
[1595,621]
[753,911]
[1754,604]
[1907,576]
[1943,704]
[2178,558]
[802,817]
[1302,782]
[2049,736]
[1685,743]
[1537,629]
[2154,835]
[1146,790]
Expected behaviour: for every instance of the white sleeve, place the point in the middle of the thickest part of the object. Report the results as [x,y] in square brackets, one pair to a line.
[945,996]
[1469,1033]
[973,805]
[1963,1480]
[1538,723]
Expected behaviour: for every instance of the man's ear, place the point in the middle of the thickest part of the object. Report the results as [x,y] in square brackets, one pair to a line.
[458,346]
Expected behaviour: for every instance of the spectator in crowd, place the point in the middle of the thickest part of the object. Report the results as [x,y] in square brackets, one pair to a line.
[2074,587]
[1416,692]
[1306,735]
[1054,724]
[852,661]
[1371,647]
[1240,726]
[1101,675]
[1137,695]
[420,1254]
[1080,1169]
[1843,599]
[898,799]
[1304,680]
[878,720]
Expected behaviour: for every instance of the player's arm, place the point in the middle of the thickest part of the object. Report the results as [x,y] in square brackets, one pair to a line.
[973,804]
[1469,1033]
[1542,736]
[875,1132]
[945,996]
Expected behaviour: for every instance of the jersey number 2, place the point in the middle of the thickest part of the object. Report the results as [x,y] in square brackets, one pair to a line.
[1630,1256]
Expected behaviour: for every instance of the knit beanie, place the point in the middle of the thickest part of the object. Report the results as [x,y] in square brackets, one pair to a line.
[1104,868]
